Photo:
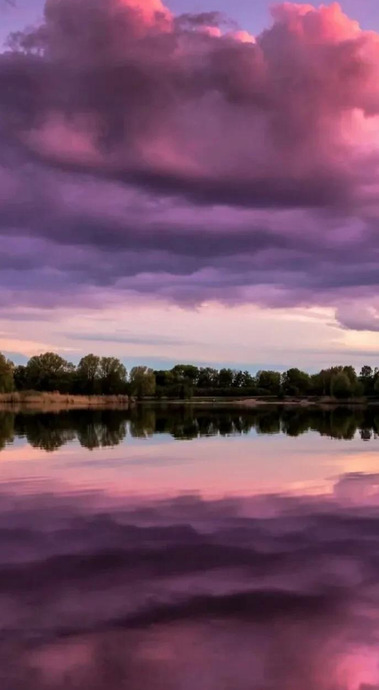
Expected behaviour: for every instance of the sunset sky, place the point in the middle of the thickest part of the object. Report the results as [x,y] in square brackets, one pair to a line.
[195,181]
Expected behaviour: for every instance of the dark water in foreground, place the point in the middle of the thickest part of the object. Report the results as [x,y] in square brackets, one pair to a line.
[181,549]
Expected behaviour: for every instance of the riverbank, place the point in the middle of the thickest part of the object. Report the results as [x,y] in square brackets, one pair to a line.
[257,402]
[56,402]
[306,402]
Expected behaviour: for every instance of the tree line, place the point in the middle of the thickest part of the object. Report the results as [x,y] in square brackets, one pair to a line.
[93,375]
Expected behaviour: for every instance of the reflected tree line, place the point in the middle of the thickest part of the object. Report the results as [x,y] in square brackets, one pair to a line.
[106,428]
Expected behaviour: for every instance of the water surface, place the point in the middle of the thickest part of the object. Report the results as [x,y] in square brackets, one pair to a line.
[183,548]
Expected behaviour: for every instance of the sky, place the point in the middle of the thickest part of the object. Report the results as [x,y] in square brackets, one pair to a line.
[190,182]
[253,15]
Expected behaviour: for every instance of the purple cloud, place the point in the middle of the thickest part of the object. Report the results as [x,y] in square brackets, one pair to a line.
[179,158]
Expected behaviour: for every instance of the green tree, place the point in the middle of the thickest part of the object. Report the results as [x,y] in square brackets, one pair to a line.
[237,379]
[49,372]
[341,386]
[164,383]
[184,379]
[323,383]
[367,372]
[351,374]
[248,381]
[295,382]
[320,383]
[6,375]
[367,379]
[142,382]
[20,377]
[88,375]
[226,378]
[208,378]
[186,371]
[112,376]
[269,382]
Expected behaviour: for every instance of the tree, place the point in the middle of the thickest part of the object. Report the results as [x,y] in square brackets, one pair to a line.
[248,381]
[341,386]
[6,375]
[142,382]
[88,375]
[208,377]
[20,377]
[49,372]
[186,371]
[367,379]
[185,378]
[351,374]
[226,378]
[367,372]
[237,379]
[269,382]
[320,383]
[112,376]
[295,382]
[164,383]
[323,383]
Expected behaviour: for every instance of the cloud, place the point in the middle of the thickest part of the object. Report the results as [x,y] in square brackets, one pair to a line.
[359,316]
[272,114]
[126,337]
[183,159]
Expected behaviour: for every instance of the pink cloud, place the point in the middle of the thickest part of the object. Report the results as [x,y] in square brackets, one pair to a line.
[326,23]
[210,113]
[203,163]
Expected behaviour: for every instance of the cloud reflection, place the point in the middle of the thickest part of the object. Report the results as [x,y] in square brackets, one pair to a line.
[270,592]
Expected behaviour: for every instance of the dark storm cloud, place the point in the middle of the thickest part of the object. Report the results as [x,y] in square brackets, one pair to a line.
[185,160]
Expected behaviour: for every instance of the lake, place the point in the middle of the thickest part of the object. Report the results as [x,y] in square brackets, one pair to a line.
[190,548]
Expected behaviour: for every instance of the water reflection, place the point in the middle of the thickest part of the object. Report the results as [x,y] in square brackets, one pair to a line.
[183,594]
[103,585]
[102,428]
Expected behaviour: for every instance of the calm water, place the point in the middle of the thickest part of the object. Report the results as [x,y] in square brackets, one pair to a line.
[183,549]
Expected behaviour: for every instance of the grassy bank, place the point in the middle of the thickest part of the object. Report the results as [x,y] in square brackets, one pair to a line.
[43,401]
[60,401]
[264,401]
[324,403]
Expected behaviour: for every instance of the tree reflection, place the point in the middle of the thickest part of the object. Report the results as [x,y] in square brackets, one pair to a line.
[142,422]
[101,429]
[48,431]
[92,429]
[104,428]
[6,428]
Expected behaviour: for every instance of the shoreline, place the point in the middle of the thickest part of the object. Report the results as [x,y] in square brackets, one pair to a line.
[254,403]
[57,402]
